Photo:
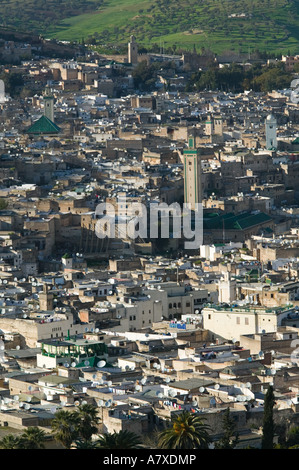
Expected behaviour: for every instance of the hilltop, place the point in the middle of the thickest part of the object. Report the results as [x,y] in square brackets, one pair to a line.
[242,25]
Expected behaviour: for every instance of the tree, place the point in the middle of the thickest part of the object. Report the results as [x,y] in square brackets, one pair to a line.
[145,76]
[3,204]
[227,441]
[83,444]
[293,437]
[33,438]
[268,422]
[88,420]
[65,427]
[187,431]
[119,440]
[10,442]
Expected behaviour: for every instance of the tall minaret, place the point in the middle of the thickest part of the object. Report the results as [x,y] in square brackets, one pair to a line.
[271,132]
[49,106]
[132,51]
[192,174]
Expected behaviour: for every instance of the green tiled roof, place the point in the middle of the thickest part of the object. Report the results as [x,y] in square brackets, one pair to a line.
[43,126]
[231,221]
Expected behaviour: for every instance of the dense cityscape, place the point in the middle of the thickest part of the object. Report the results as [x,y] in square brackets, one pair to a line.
[116,329]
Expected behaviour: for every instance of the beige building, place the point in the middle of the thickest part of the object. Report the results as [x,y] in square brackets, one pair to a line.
[40,326]
[232,322]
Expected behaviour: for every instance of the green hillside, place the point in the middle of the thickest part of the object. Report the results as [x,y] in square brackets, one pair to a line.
[271,25]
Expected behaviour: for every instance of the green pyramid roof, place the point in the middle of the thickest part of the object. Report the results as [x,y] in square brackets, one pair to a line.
[43,126]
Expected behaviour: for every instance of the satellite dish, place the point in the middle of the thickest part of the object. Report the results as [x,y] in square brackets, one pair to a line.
[212,402]
[143,381]
[109,383]
[86,363]
[77,403]
[100,402]
[73,364]
[101,364]
[217,386]
[194,403]
[201,389]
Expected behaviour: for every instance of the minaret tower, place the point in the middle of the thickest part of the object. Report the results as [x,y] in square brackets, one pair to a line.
[49,105]
[132,51]
[271,132]
[192,174]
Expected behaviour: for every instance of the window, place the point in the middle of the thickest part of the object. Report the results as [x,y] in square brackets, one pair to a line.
[238,320]
[209,316]
[246,321]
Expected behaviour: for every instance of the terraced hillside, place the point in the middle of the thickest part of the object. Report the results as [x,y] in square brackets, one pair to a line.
[244,25]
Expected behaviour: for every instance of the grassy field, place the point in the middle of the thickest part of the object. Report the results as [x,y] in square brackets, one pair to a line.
[244,25]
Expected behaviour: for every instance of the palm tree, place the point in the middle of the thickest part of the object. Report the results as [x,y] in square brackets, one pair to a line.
[186,432]
[83,444]
[10,442]
[88,416]
[65,427]
[119,440]
[33,438]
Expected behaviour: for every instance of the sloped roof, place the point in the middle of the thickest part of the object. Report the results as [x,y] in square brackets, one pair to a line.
[43,126]
[231,221]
